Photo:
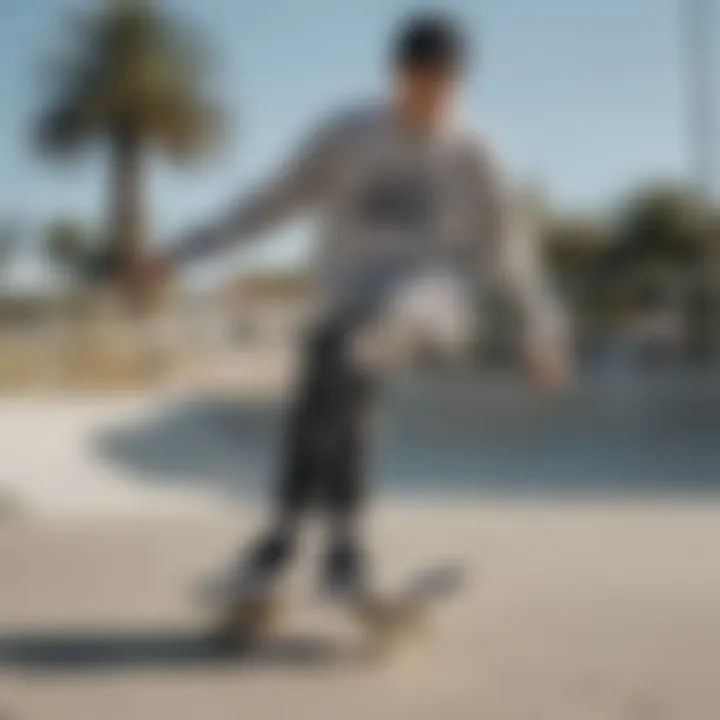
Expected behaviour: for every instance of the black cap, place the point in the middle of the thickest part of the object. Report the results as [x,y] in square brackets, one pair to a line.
[430,40]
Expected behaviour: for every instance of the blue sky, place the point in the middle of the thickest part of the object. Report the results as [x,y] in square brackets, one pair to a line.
[586,96]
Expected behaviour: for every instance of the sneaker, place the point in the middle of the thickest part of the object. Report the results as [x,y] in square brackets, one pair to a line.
[344,572]
[258,570]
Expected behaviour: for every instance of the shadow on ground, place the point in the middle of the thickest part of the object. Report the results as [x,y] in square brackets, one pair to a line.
[69,651]
[462,437]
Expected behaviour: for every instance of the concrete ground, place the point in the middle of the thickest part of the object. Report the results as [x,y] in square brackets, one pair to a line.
[572,612]
[584,610]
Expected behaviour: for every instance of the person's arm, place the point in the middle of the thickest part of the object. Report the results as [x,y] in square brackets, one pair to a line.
[297,187]
[516,267]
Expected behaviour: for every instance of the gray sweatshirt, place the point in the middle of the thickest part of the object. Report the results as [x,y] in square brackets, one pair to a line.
[389,204]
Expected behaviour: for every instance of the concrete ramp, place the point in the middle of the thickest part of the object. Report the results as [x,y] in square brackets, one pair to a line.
[619,436]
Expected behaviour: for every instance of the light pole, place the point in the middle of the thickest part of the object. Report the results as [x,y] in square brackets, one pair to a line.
[699,19]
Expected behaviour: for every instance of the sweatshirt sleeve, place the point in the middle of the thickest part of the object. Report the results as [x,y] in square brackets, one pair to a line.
[299,184]
[513,258]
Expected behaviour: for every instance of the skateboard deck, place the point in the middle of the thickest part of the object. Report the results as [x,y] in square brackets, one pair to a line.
[247,619]
[241,614]
[387,619]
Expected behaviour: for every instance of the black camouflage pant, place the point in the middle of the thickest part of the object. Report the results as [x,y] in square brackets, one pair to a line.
[327,434]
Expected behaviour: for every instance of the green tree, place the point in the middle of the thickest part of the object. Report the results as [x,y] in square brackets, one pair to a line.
[69,245]
[659,257]
[574,247]
[660,223]
[132,76]
[8,243]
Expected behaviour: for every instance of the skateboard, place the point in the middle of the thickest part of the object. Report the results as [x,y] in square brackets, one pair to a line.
[247,619]
[241,615]
[386,619]
[390,619]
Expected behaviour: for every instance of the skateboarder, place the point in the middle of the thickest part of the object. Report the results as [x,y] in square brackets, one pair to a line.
[397,191]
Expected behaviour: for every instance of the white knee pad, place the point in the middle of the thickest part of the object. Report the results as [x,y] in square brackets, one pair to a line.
[430,312]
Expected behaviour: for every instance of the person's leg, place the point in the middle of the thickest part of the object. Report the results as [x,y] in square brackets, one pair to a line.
[344,476]
[304,445]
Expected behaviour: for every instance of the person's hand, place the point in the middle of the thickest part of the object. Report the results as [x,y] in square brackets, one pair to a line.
[149,276]
[547,369]
[151,272]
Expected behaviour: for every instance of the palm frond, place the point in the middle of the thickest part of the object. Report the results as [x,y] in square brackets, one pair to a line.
[129,65]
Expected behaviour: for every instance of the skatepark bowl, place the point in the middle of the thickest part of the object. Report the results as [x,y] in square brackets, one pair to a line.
[447,437]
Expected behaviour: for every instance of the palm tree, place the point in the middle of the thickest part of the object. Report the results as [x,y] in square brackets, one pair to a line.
[69,246]
[8,243]
[131,76]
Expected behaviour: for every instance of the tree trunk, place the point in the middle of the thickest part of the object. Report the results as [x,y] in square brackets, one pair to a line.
[127,227]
